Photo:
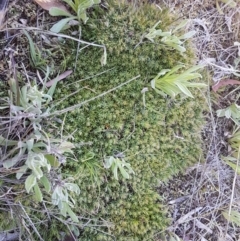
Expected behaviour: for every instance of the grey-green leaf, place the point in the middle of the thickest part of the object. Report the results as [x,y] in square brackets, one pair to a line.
[46,183]
[72,187]
[38,193]
[30,182]
[72,215]
[21,171]
[188,35]
[54,11]
[181,25]
[115,169]
[123,172]
[60,25]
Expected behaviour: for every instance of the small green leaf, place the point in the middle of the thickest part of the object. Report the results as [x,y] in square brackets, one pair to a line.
[55,197]
[60,25]
[53,87]
[35,161]
[115,169]
[104,58]
[108,162]
[54,11]
[65,146]
[228,113]
[30,182]
[63,208]
[72,215]
[181,25]
[118,163]
[123,172]
[153,83]
[46,183]
[32,47]
[173,70]
[30,144]
[233,112]
[37,171]
[176,46]
[72,187]
[53,161]
[188,35]
[38,193]
[184,89]
[21,171]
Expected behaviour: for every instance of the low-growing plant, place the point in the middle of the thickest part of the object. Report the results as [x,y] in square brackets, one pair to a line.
[173,83]
[116,163]
[32,153]
[36,59]
[169,37]
[80,9]
[231,112]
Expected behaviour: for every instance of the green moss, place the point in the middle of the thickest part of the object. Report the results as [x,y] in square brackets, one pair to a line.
[158,140]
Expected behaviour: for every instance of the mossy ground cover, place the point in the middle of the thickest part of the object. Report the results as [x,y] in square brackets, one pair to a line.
[158,139]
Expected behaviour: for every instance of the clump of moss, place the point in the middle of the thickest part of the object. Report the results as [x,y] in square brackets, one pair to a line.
[159,140]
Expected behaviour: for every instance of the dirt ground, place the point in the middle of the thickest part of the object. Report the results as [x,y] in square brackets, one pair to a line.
[197,198]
